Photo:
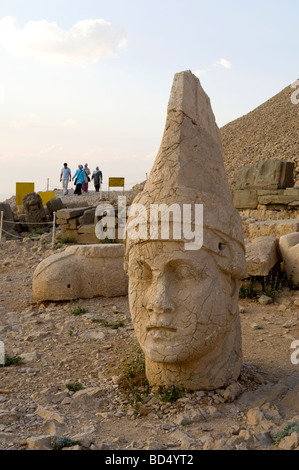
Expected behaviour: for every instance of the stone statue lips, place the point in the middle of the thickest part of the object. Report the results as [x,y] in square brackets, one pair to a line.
[161,331]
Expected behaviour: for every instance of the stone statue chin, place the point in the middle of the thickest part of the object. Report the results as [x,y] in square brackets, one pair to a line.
[185,314]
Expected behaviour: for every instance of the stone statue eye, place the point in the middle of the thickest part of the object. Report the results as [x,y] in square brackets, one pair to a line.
[185,272]
[141,271]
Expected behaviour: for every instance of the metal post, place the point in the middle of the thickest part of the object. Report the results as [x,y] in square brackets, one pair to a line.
[54,227]
[1,224]
[47,184]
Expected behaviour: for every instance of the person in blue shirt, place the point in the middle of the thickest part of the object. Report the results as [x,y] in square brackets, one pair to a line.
[79,178]
[65,177]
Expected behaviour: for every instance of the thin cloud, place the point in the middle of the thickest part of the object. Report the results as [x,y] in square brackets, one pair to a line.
[2,93]
[87,41]
[200,72]
[30,121]
[69,124]
[225,63]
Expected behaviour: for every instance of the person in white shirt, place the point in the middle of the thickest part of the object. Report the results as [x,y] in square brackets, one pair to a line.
[65,177]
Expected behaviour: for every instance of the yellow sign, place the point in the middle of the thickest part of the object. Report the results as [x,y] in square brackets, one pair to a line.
[116,182]
[46,196]
[21,190]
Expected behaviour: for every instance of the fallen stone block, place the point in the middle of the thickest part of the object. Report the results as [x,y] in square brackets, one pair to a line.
[70,213]
[267,174]
[281,199]
[55,204]
[245,199]
[87,238]
[40,443]
[81,272]
[289,248]
[88,216]
[87,228]
[261,255]
[49,415]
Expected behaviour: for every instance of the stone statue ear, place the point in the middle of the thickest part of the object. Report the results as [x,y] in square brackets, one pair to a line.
[230,258]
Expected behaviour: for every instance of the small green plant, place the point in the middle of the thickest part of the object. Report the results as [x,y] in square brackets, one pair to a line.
[170,394]
[71,332]
[68,241]
[247,292]
[113,325]
[287,431]
[12,361]
[58,443]
[79,310]
[36,233]
[74,387]
[134,379]
[108,241]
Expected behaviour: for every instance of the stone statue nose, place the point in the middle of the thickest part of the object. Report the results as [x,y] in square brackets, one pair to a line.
[160,301]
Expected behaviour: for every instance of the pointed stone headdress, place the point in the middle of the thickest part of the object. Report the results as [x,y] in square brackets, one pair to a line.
[189,169]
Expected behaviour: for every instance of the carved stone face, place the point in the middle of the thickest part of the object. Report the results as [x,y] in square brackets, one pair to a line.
[180,301]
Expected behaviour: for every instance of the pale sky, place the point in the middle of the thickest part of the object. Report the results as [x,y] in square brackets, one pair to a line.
[89,81]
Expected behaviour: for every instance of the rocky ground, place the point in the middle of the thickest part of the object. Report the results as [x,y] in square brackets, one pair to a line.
[59,348]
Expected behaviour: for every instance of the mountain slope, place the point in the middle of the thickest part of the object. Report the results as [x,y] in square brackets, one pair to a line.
[269,131]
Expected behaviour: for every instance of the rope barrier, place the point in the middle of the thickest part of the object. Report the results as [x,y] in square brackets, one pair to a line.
[27,223]
[12,235]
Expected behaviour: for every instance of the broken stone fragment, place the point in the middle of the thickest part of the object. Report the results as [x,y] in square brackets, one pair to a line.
[289,248]
[261,255]
[81,272]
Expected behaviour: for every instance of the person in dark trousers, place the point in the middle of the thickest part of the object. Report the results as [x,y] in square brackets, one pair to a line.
[79,178]
[97,178]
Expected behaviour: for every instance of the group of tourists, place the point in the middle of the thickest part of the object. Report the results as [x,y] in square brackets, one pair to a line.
[81,178]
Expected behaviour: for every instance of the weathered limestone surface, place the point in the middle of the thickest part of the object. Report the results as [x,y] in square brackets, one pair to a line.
[8,219]
[267,174]
[34,210]
[55,204]
[81,272]
[245,199]
[261,255]
[70,213]
[184,302]
[280,199]
[273,228]
[289,248]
